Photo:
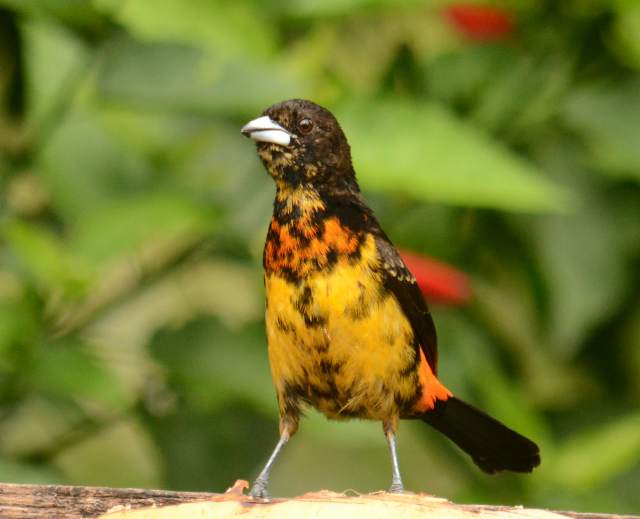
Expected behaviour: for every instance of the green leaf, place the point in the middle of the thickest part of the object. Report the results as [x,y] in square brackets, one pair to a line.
[510,311]
[18,326]
[50,82]
[44,257]
[83,166]
[153,134]
[422,150]
[591,458]
[464,75]
[230,28]
[37,425]
[64,368]
[608,118]
[626,31]
[205,450]
[119,455]
[76,12]
[215,364]
[582,257]
[320,8]
[187,79]
[632,351]
[29,474]
[123,226]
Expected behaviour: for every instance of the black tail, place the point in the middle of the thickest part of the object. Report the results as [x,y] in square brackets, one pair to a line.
[492,445]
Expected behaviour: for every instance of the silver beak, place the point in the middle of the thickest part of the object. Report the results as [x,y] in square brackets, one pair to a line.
[264,129]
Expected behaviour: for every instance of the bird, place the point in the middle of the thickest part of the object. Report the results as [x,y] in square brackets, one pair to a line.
[348,329]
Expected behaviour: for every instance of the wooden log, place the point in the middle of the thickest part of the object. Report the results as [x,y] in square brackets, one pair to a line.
[54,501]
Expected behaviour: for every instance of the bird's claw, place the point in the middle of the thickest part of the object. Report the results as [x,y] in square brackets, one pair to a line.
[396,488]
[259,489]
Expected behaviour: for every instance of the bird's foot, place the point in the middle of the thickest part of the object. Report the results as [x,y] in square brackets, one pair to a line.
[396,488]
[259,489]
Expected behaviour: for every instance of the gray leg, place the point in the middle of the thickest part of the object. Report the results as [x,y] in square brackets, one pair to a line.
[259,488]
[396,481]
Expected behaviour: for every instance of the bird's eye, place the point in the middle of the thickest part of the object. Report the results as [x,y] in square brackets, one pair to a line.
[305,125]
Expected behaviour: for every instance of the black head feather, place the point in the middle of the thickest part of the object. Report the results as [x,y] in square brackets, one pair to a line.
[318,153]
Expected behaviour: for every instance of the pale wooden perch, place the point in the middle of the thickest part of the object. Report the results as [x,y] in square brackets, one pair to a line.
[52,502]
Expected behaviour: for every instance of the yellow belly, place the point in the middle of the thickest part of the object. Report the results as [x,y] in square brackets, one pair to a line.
[340,342]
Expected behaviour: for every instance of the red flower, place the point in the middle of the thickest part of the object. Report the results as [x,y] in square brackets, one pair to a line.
[439,282]
[480,23]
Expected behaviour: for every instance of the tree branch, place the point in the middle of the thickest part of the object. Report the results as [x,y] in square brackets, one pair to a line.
[53,502]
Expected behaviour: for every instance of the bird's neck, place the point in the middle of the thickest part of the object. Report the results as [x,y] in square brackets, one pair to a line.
[310,230]
[298,205]
[303,202]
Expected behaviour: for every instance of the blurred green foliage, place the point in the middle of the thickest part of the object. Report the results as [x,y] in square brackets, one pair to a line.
[132,217]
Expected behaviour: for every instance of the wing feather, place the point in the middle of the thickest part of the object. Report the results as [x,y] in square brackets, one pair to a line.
[400,282]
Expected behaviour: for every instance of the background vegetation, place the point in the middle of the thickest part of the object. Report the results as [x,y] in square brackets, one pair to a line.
[503,139]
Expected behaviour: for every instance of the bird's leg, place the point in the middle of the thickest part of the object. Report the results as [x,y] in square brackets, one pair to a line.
[288,427]
[396,480]
[259,488]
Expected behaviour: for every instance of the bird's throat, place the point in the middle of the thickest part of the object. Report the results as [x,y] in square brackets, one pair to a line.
[297,205]
[303,238]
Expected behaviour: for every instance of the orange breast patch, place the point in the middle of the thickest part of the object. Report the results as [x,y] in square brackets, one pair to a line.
[303,246]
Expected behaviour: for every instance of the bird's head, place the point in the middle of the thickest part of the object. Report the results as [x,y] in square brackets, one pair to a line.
[301,143]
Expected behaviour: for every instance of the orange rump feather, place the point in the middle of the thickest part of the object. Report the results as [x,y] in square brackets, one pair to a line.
[432,388]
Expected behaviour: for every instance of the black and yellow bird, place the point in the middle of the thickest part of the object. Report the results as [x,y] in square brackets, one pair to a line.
[348,330]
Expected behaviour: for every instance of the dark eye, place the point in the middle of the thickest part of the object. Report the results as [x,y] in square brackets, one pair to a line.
[305,125]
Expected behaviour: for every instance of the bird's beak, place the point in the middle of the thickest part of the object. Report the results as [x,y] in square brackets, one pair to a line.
[263,129]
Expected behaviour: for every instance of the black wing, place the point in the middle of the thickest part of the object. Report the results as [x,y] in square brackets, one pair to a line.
[400,282]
